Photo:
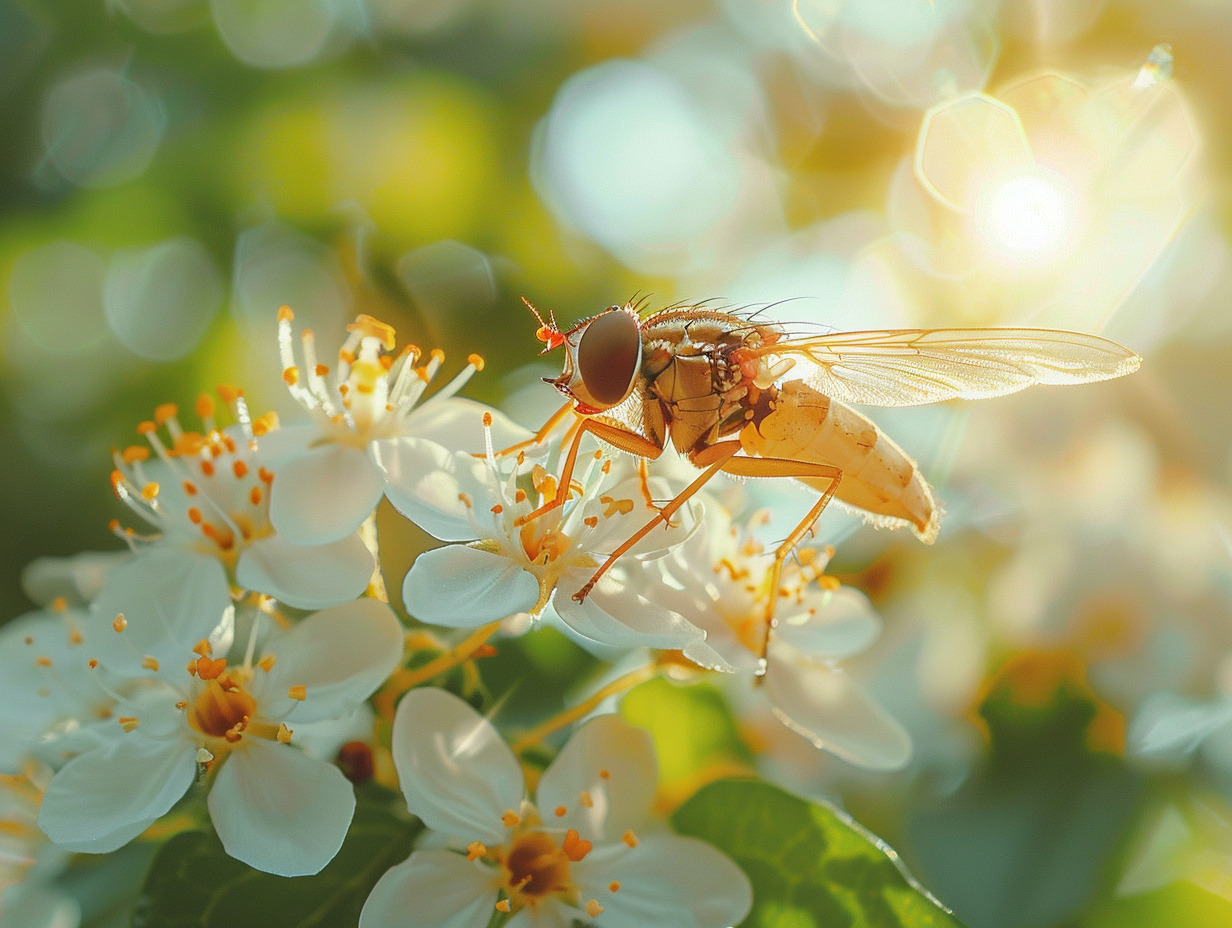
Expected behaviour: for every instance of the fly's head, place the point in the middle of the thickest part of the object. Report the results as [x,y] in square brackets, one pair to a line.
[602,357]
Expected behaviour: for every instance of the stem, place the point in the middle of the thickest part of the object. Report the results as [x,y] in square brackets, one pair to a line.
[367,533]
[569,716]
[408,678]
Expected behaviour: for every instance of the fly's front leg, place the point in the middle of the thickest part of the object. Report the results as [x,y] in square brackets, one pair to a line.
[783,467]
[540,436]
[615,435]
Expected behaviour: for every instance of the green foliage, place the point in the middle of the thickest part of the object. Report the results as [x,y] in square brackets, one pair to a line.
[811,867]
[1177,904]
[1029,839]
[694,733]
[192,883]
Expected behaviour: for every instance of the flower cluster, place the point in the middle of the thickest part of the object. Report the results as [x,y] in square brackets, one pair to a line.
[224,657]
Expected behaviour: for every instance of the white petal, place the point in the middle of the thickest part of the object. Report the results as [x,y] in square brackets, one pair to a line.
[448,494]
[829,709]
[614,527]
[339,655]
[1167,723]
[618,801]
[324,495]
[104,798]
[844,624]
[170,600]
[615,613]
[278,446]
[278,810]
[464,587]
[458,775]
[431,889]
[457,423]
[665,880]
[43,679]
[306,577]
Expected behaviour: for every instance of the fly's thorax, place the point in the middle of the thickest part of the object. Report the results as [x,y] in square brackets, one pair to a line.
[695,374]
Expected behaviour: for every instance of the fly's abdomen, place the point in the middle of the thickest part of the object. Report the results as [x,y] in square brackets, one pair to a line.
[878,477]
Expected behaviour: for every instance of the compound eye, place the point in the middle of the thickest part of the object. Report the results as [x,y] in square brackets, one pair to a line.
[609,355]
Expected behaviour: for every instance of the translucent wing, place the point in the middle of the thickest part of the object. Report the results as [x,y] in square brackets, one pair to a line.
[910,367]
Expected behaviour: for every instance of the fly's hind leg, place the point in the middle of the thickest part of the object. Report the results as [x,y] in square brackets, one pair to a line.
[801,470]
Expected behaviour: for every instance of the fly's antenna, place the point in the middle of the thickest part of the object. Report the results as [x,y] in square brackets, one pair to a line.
[548,333]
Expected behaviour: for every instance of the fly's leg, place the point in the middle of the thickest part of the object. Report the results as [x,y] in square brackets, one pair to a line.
[801,470]
[540,436]
[715,457]
[643,479]
[613,434]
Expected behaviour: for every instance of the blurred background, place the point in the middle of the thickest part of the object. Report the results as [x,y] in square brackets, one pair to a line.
[172,171]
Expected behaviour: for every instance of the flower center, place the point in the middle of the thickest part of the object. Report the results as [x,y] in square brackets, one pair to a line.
[536,867]
[222,710]
[219,493]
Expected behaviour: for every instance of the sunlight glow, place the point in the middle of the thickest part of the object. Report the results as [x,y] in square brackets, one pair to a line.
[1027,218]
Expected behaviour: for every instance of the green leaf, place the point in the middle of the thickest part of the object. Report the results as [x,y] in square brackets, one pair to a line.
[192,883]
[694,734]
[810,865]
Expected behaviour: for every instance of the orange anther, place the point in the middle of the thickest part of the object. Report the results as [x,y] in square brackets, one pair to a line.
[593,909]
[629,838]
[150,663]
[203,648]
[149,492]
[290,375]
[560,811]
[614,886]
[240,469]
[165,411]
[265,424]
[476,362]
[267,663]
[134,453]
[205,406]
[254,496]
[284,733]
[211,669]
[119,623]
[504,906]
[42,661]
[285,314]
[511,818]
[229,393]
[475,850]
[585,801]
[127,722]
[298,692]
[574,846]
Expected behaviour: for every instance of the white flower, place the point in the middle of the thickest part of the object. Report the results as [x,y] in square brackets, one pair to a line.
[28,861]
[273,806]
[720,584]
[329,478]
[207,495]
[46,686]
[583,851]
[510,568]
